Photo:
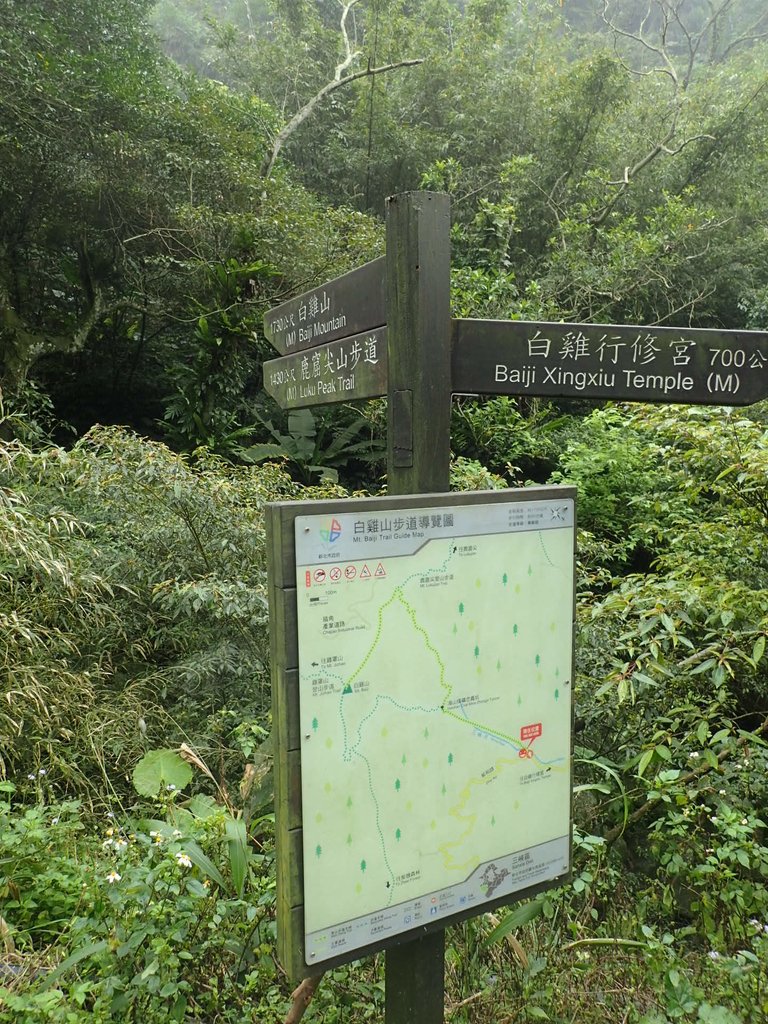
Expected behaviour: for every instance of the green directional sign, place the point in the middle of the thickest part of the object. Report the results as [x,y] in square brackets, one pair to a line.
[342,371]
[618,362]
[350,304]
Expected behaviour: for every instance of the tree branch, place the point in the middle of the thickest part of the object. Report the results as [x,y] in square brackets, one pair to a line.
[302,997]
[630,172]
[301,116]
[742,39]
[638,37]
[339,79]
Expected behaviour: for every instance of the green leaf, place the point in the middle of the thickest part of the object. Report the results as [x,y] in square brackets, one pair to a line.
[160,769]
[91,949]
[259,452]
[523,914]
[202,806]
[179,1008]
[705,666]
[237,841]
[717,1015]
[759,649]
[645,760]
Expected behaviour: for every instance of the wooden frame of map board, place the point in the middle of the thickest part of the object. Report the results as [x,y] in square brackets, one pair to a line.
[425,703]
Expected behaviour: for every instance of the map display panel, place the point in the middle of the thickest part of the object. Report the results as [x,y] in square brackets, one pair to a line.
[435,666]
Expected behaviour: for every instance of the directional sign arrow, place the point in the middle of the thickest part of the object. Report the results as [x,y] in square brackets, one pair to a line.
[350,304]
[343,371]
[622,363]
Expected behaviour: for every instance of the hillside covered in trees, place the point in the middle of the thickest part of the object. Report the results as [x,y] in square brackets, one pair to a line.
[171,170]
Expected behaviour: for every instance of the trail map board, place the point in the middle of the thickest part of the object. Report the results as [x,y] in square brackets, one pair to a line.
[435,659]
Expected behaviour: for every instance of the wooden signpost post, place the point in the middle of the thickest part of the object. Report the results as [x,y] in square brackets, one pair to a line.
[386,329]
[418,461]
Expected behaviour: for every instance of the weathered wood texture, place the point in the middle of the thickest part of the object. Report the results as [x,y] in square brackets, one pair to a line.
[347,370]
[618,362]
[348,305]
[418,460]
[414,981]
[285,718]
[419,321]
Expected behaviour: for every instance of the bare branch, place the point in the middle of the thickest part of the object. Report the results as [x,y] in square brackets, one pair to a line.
[301,116]
[349,56]
[749,38]
[687,142]
[629,173]
[339,80]
[639,37]
[690,305]
[302,997]
[670,15]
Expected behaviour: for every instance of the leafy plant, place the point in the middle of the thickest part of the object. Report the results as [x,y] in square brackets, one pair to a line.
[159,770]
[312,448]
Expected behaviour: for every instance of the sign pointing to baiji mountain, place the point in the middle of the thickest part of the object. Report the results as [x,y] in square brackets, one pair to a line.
[348,305]
[618,362]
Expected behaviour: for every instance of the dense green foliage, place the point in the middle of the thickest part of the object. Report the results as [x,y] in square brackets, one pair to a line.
[600,169]
[165,177]
[134,620]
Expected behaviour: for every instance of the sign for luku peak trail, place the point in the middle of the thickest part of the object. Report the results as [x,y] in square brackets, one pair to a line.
[618,362]
[342,371]
[435,658]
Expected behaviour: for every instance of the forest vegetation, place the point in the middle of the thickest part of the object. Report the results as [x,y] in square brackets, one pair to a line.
[171,170]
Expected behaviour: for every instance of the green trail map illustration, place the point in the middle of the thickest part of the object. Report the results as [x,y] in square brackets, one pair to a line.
[435,662]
